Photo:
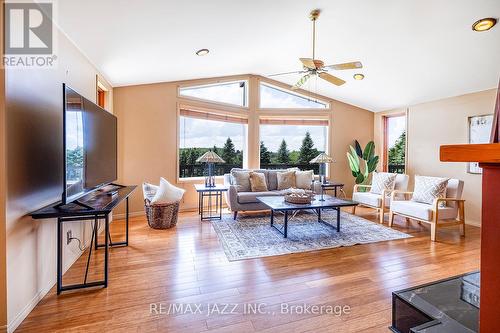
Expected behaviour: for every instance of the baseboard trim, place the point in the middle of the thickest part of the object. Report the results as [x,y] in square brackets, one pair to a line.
[473,223]
[121,216]
[18,319]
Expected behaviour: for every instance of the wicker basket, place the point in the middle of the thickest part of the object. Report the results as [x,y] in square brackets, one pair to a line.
[299,198]
[161,216]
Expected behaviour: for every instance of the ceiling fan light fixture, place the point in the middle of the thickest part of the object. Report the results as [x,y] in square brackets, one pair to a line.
[484,24]
[358,76]
[202,52]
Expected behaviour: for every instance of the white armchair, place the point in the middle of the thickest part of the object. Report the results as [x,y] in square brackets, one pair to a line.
[436,214]
[380,202]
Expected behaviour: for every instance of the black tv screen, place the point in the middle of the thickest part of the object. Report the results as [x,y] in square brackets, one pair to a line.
[90,146]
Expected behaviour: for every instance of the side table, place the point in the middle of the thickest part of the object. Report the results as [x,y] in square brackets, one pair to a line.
[332,186]
[213,195]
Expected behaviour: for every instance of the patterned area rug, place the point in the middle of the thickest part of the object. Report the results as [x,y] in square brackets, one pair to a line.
[253,237]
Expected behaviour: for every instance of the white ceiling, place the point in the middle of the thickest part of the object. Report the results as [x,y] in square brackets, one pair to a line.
[412,50]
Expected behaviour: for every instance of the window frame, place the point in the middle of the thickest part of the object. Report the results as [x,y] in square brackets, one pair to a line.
[288,91]
[305,118]
[217,83]
[217,112]
[385,136]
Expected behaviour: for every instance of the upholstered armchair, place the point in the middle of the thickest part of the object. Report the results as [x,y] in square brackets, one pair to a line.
[443,212]
[380,202]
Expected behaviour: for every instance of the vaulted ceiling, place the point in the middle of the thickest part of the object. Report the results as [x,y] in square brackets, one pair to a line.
[412,50]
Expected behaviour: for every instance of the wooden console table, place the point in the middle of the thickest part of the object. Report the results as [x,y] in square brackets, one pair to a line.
[101,206]
[488,156]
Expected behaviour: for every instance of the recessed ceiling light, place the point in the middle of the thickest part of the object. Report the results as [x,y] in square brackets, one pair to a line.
[202,52]
[484,24]
[358,76]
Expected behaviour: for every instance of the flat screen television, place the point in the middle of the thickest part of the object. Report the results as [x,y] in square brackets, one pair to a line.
[90,146]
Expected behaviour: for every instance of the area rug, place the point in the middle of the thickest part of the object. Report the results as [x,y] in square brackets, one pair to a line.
[253,237]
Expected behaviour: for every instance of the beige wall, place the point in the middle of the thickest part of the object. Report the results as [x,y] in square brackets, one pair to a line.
[34,170]
[436,123]
[148,132]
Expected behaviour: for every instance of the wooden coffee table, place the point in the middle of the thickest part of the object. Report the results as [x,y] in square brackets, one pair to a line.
[278,204]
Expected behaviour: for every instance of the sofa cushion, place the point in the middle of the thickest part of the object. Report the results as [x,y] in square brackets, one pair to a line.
[382,181]
[251,197]
[421,210]
[429,188]
[258,182]
[272,179]
[304,179]
[368,198]
[286,180]
[241,180]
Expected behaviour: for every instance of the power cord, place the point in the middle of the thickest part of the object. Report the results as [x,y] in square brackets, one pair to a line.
[79,243]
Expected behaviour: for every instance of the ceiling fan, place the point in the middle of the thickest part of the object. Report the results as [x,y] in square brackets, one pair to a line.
[316,67]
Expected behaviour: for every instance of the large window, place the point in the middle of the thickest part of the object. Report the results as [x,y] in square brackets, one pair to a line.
[234,93]
[275,98]
[201,132]
[395,143]
[292,143]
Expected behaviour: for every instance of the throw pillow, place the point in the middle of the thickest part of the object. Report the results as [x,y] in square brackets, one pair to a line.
[167,193]
[429,188]
[286,180]
[149,190]
[382,181]
[303,179]
[258,182]
[242,181]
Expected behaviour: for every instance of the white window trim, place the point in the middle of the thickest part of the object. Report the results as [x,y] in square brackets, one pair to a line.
[188,86]
[287,91]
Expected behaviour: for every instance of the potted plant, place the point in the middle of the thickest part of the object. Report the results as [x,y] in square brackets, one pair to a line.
[362,162]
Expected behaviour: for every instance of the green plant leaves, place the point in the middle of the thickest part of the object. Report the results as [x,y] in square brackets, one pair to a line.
[356,156]
[369,151]
[359,151]
[360,178]
[353,163]
[372,164]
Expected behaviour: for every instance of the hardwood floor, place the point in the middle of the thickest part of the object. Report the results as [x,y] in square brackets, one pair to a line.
[186,265]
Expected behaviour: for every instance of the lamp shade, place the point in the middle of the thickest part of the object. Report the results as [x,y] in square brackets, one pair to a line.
[322,158]
[210,157]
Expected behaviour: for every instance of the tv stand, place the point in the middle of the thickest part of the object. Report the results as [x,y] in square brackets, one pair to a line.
[91,208]
[76,202]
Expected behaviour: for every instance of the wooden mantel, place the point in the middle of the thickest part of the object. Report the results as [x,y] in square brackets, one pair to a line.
[482,153]
[488,156]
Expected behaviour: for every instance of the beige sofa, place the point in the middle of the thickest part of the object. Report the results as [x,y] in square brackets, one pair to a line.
[247,201]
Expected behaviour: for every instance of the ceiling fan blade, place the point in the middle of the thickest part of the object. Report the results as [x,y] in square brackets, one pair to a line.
[347,65]
[332,79]
[301,81]
[295,72]
[308,62]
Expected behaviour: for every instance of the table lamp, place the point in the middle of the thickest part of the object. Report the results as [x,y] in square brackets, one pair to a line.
[210,158]
[322,159]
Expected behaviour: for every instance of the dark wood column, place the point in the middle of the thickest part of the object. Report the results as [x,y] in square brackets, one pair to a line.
[488,155]
[489,312]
